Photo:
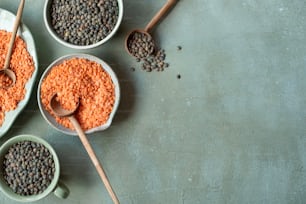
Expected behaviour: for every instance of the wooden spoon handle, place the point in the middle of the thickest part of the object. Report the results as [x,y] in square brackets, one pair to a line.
[14,32]
[93,158]
[160,14]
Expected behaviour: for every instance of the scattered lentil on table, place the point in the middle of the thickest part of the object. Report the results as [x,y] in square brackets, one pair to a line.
[84,22]
[80,78]
[28,168]
[155,62]
[23,66]
[141,46]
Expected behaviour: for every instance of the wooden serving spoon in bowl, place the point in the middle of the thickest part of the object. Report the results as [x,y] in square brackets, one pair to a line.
[6,69]
[60,112]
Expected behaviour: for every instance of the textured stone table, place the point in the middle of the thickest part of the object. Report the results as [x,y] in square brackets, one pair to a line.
[232,129]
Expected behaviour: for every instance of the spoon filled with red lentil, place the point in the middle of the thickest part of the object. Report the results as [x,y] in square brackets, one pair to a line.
[11,80]
[59,111]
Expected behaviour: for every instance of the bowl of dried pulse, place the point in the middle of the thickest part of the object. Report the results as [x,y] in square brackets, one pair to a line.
[80,79]
[29,169]
[83,24]
[23,62]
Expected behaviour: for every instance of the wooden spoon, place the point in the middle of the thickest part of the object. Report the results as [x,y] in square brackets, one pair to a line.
[149,27]
[6,69]
[59,111]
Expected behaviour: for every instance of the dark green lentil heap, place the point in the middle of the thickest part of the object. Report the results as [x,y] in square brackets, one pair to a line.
[28,168]
[83,22]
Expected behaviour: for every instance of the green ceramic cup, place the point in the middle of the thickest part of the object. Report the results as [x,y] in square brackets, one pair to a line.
[57,187]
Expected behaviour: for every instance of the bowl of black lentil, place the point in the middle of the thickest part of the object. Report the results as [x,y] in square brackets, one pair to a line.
[83,24]
[29,169]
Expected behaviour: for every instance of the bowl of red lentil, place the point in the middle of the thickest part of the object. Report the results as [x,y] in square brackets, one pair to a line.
[23,62]
[81,78]
[82,24]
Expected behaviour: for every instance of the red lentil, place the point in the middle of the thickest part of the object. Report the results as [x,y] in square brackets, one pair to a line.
[23,66]
[79,78]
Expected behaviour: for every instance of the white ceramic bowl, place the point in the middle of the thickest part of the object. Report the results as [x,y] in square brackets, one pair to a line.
[81,47]
[51,120]
[6,23]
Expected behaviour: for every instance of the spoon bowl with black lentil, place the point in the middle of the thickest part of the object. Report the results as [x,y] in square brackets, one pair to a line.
[83,24]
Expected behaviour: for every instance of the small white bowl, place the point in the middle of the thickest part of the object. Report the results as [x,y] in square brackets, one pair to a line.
[51,120]
[80,47]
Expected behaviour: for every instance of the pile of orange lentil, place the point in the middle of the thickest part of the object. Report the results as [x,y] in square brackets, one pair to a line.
[23,66]
[84,80]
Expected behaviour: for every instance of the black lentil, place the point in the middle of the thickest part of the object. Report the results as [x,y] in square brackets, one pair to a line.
[83,22]
[178,76]
[179,47]
[155,62]
[28,168]
[140,45]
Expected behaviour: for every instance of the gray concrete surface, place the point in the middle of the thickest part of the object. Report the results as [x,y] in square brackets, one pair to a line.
[231,130]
